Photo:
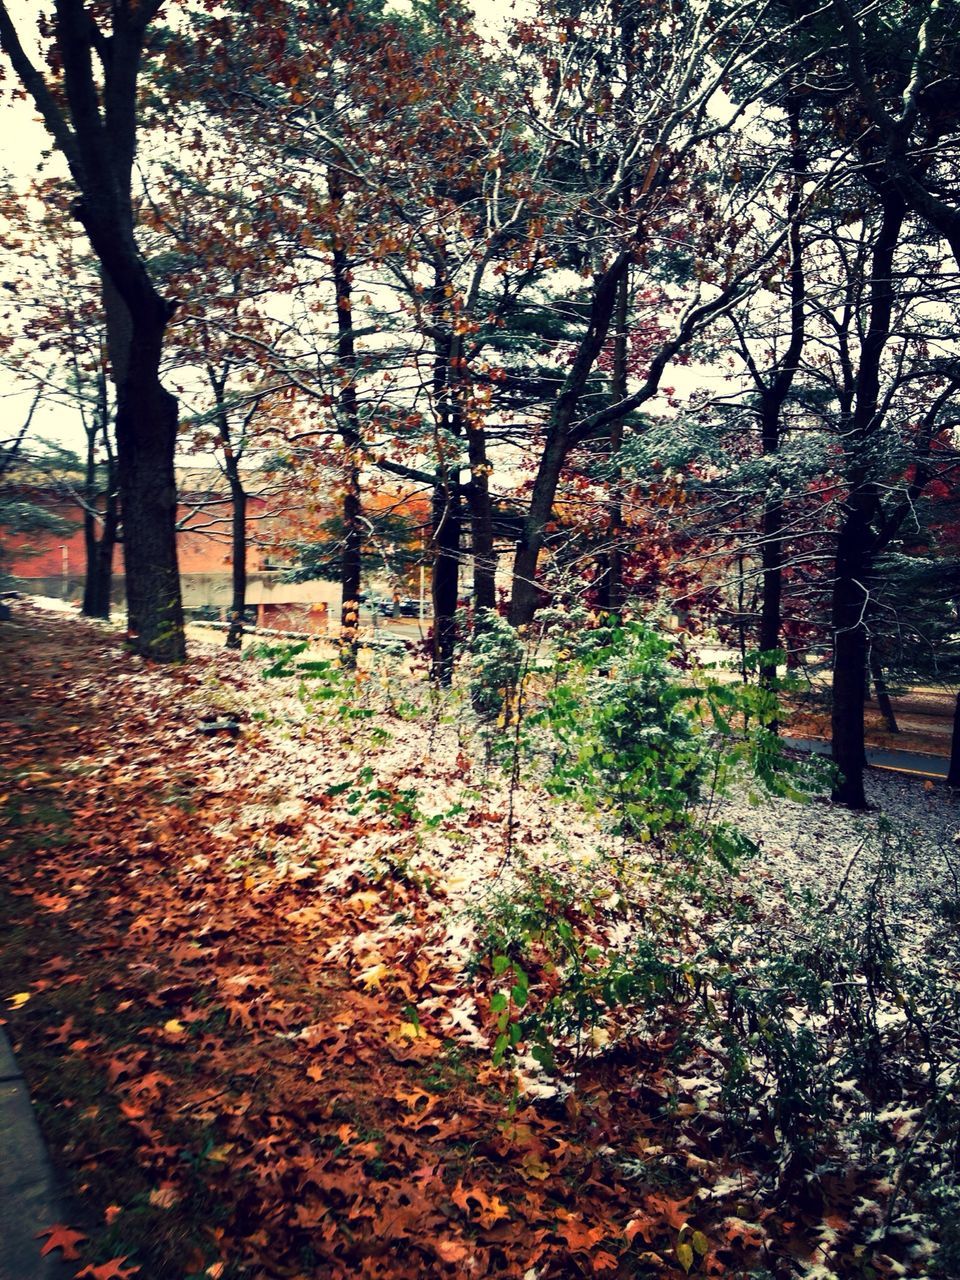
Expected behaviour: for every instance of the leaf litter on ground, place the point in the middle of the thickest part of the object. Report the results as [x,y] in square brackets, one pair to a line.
[247,968]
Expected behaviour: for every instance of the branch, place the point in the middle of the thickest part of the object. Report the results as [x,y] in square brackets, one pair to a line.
[43,99]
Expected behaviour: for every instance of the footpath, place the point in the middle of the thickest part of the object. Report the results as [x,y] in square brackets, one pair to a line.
[29,1200]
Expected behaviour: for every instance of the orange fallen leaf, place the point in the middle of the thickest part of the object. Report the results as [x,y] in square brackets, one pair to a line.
[164,1197]
[61,1237]
[112,1270]
[450,1250]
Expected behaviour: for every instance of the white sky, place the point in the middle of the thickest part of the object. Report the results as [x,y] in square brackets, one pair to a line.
[23,143]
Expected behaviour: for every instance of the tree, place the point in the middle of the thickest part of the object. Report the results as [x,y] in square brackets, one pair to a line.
[19,514]
[54,296]
[89,105]
[905,67]
[652,140]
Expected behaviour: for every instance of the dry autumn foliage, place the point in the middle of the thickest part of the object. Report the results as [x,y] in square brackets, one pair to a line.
[245,1071]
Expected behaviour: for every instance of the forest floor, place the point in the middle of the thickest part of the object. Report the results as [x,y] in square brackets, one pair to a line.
[248,967]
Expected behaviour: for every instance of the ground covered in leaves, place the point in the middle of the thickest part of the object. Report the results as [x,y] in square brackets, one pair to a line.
[246,957]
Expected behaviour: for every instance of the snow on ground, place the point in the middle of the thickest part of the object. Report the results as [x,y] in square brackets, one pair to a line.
[834,853]
[382,784]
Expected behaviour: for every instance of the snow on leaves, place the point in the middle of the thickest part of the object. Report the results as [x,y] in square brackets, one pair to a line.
[251,1022]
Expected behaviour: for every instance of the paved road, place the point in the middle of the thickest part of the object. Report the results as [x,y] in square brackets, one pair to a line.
[29,1199]
[913,763]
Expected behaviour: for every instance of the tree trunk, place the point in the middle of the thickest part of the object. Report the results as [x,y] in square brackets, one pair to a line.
[146,439]
[99,551]
[351,565]
[481,521]
[524,595]
[884,704]
[94,124]
[953,773]
[850,604]
[610,567]
[446,570]
[771,559]
[238,532]
[348,425]
[98,584]
[772,400]
[857,542]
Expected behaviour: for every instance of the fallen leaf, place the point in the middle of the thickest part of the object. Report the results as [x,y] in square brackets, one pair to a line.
[61,1237]
[533,1167]
[164,1197]
[450,1250]
[373,977]
[112,1270]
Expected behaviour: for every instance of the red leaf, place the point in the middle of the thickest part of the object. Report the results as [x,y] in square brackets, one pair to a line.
[61,1237]
[112,1270]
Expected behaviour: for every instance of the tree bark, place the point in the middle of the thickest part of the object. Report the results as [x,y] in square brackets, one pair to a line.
[99,551]
[524,596]
[238,539]
[94,125]
[772,400]
[953,773]
[146,439]
[446,572]
[857,540]
[98,584]
[481,521]
[850,608]
[610,566]
[884,705]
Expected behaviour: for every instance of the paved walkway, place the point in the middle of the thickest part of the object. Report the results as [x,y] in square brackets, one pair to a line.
[913,763]
[28,1196]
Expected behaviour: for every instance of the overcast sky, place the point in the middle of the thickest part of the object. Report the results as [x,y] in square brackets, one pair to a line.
[24,140]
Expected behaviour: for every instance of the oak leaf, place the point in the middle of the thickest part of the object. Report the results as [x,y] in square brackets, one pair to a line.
[61,1237]
[645,1228]
[112,1270]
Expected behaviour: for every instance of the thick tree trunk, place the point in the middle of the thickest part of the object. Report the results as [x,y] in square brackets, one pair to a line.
[146,439]
[953,773]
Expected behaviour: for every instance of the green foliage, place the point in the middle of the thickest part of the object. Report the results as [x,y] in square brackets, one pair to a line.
[494,667]
[611,719]
[624,727]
